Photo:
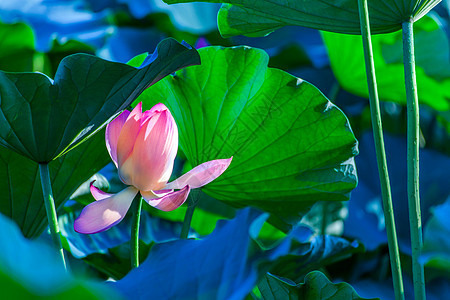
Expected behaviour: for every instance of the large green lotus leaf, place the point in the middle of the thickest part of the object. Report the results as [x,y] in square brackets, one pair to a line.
[21,198]
[316,287]
[261,17]
[432,64]
[42,119]
[291,147]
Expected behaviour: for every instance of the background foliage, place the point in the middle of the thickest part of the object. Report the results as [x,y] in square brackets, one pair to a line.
[293,142]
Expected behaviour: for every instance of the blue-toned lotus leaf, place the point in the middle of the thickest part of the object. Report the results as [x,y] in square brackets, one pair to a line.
[223,265]
[259,18]
[31,270]
[152,230]
[365,219]
[58,21]
[42,118]
[436,249]
[384,289]
[308,256]
[197,18]
[126,42]
[307,42]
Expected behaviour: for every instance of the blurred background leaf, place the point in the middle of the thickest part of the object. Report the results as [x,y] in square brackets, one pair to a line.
[365,217]
[264,16]
[432,64]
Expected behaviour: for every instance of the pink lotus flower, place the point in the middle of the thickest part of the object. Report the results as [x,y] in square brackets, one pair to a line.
[143,147]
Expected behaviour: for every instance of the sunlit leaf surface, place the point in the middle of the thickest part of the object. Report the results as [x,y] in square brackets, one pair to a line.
[291,147]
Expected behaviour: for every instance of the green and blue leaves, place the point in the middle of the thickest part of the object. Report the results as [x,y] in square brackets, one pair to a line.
[30,270]
[209,268]
[21,197]
[291,147]
[432,64]
[316,287]
[259,18]
[42,119]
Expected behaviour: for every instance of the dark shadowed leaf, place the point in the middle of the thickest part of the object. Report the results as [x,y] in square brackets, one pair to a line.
[152,230]
[21,198]
[436,249]
[365,219]
[316,287]
[291,147]
[43,119]
[258,18]
[318,253]
[109,251]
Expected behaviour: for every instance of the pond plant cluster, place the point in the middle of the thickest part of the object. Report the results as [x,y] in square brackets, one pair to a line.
[225,149]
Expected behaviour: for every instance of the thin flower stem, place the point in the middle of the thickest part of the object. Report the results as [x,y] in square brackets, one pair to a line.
[412,106]
[51,210]
[192,204]
[324,223]
[380,151]
[135,223]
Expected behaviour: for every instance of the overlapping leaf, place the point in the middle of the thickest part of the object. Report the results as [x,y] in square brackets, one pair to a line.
[318,253]
[109,251]
[30,270]
[365,219]
[210,268]
[42,119]
[316,287]
[436,252]
[291,147]
[151,230]
[258,18]
[21,198]
[432,64]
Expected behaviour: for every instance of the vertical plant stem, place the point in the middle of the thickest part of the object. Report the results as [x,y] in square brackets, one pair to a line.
[324,223]
[51,210]
[380,152]
[192,204]
[412,106]
[135,223]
